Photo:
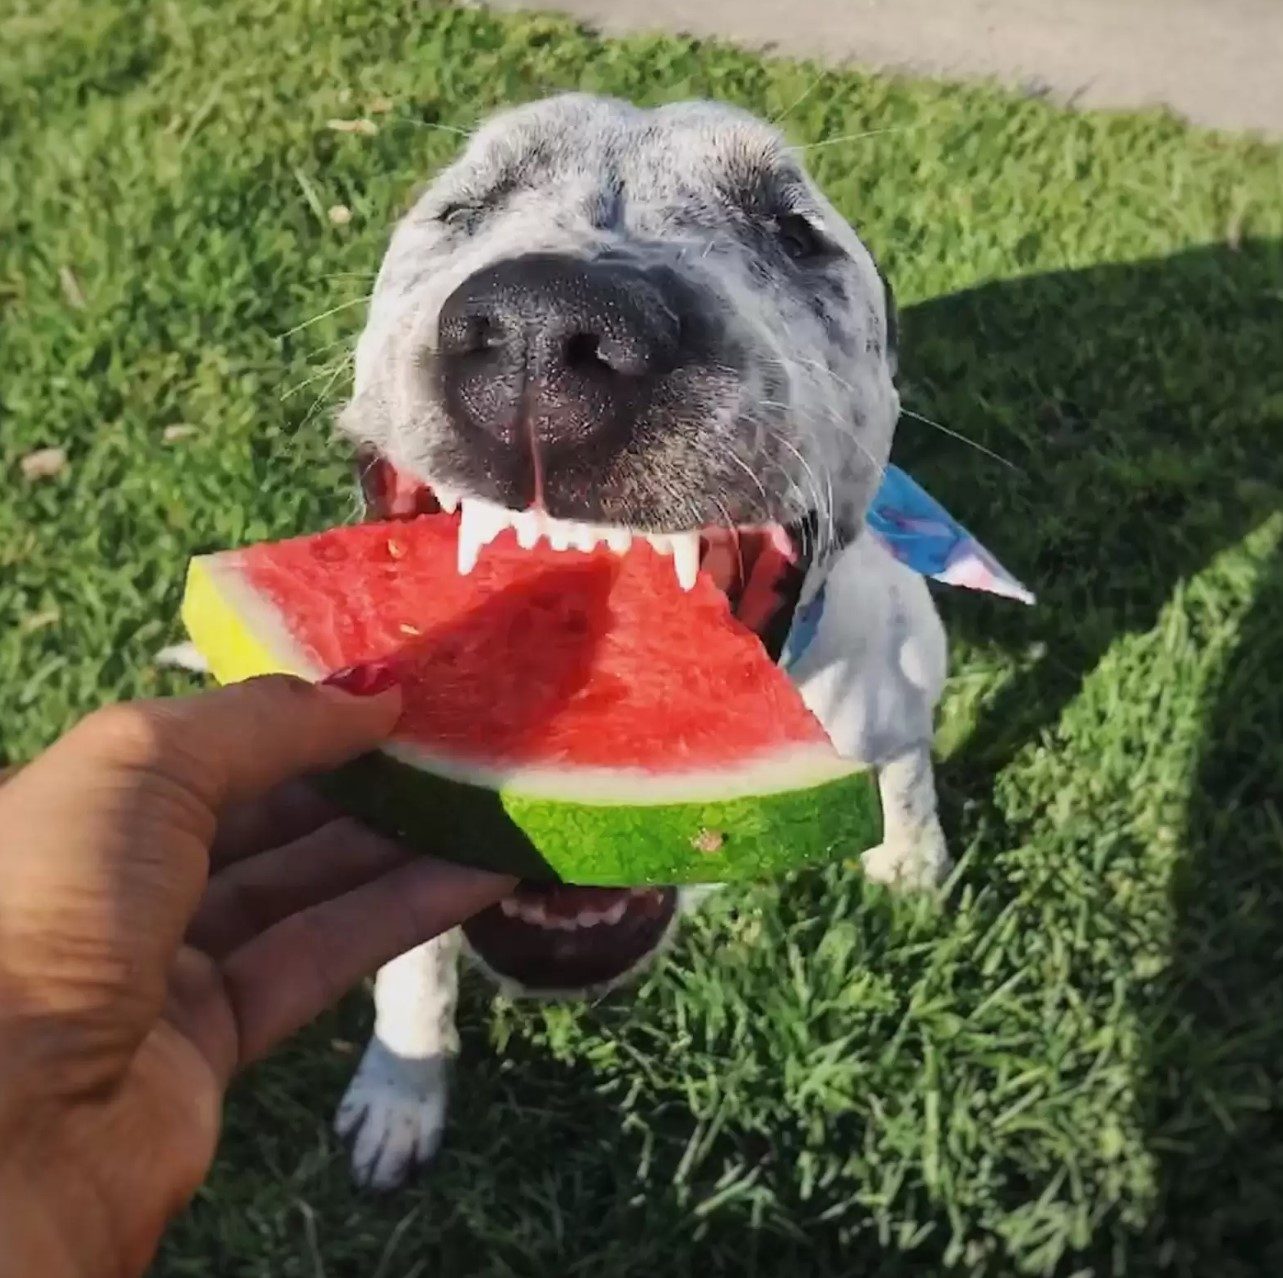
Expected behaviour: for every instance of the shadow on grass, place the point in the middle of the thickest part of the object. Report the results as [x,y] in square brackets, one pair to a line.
[1145,403]
[543,1173]
[1217,1042]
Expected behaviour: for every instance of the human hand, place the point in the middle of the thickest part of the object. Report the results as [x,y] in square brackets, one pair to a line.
[173,903]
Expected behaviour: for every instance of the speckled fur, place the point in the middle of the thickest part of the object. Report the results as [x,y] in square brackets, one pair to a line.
[796,409]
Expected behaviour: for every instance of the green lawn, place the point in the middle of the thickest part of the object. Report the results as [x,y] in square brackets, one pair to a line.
[1073,1065]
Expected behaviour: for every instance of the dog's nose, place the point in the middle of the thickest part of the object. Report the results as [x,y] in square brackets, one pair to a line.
[551,352]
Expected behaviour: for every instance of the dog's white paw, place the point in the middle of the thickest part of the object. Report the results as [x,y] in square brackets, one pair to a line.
[182,656]
[912,866]
[392,1114]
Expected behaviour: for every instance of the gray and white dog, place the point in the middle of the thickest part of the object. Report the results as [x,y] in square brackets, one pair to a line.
[603,323]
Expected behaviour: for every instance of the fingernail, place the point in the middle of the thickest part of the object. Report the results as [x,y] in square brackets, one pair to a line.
[366,680]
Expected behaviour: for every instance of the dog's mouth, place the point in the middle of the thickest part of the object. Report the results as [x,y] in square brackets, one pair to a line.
[760,568]
[556,937]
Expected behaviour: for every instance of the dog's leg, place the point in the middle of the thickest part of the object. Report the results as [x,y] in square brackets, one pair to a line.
[394,1109]
[912,853]
[872,675]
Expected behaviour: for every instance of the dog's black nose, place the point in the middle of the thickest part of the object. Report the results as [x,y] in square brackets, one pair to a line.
[551,353]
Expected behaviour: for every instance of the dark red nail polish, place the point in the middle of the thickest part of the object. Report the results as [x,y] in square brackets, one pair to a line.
[363,681]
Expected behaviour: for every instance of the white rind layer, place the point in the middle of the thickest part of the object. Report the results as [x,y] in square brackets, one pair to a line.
[794,767]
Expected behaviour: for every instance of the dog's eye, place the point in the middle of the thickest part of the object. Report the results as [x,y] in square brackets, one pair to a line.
[799,239]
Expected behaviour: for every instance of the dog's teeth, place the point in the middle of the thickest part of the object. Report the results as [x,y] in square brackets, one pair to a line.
[480,524]
[565,534]
[447,498]
[684,549]
[528,528]
[589,918]
[619,539]
[686,558]
[510,906]
[616,912]
[583,536]
[532,912]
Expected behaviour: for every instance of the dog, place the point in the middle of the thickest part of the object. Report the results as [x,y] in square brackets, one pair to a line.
[610,322]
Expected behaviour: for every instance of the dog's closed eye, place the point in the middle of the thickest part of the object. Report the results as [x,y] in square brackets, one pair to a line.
[459,216]
[800,238]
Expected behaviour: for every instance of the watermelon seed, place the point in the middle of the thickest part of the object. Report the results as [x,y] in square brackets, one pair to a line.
[708,841]
[406,629]
[395,549]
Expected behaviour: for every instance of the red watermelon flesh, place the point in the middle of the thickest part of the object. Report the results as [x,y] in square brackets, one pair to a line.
[537,657]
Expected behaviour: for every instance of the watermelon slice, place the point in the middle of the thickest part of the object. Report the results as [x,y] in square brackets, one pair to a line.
[571,716]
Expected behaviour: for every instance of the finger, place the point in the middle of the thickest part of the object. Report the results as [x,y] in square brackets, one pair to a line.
[235,744]
[249,897]
[285,814]
[287,975]
[115,823]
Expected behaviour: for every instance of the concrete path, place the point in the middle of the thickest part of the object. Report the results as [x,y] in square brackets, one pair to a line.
[1216,62]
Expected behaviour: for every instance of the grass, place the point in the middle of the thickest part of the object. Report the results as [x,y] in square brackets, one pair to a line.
[1073,1065]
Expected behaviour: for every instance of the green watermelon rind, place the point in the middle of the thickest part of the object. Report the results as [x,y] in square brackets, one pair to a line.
[610,845]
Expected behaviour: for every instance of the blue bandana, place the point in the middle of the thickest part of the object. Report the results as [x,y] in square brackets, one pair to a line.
[923,536]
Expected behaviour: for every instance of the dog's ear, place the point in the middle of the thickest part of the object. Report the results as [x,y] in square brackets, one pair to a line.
[893,324]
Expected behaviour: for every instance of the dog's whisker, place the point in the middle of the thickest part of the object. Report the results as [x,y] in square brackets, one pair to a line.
[830,509]
[430,124]
[345,340]
[744,466]
[852,137]
[797,102]
[817,501]
[329,368]
[316,319]
[839,429]
[838,425]
[910,412]
[320,399]
[733,529]
[961,438]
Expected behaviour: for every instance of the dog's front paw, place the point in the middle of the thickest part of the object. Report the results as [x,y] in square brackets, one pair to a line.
[392,1114]
[913,866]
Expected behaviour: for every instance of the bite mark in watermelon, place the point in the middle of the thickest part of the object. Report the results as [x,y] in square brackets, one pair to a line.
[574,717]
